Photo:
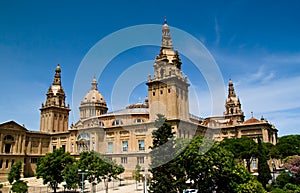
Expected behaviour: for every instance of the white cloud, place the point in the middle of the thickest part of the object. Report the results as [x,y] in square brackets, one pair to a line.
[217,30]
[267,84]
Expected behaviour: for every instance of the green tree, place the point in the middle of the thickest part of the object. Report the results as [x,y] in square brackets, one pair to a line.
[110,170]
[167,173]
[216,169]
[242,181]
[283,179]
[289,145]
[15,172]
[51,167]
[271,151]
[99,169]
[264,173]
[242,148]
[19,187]
[210,170]
[136,174]
[71,176]
[252,186]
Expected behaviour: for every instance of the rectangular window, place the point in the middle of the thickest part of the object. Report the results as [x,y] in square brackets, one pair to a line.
[53,147]
[7,148]
[153,93]
[6,164]
[254,164]
[33,160]
[110,147]
[12,162]
[1,163]
[140,160]
[123,160]
[64,147]
[141,145]
[125,146]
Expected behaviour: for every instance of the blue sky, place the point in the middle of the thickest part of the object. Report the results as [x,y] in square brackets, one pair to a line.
[255,43]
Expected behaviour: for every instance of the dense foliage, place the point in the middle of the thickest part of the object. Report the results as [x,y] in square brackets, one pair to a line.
[15,172]
[51,167]
[19,187]
[242,148]
[99,168]
[212,170]
[71,176]
[14,176]
[289,145]
[166,175]
[264,173]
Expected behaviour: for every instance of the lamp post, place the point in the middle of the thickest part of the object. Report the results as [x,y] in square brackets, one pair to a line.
[145,190]
[82,177]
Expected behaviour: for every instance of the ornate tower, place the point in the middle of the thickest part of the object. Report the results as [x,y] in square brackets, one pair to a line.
[168,89]
[233,106]
[55,113]
[93,104]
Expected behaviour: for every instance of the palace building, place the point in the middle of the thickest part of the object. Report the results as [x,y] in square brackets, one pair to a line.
[126,134]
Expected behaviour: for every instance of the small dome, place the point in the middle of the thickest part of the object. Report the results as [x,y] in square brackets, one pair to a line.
[93,96]
[251,120]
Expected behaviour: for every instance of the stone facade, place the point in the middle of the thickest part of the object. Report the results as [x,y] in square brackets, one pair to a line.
[124,135]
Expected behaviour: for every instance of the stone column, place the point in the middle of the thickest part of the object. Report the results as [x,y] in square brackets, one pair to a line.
[23,144]
[29,146]
[1,139]
[40,147]
[51,124]
[15,146]
[20,144]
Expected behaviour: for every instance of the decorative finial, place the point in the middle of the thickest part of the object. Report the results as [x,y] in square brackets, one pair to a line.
[165,20]
[251,114]
[94,84]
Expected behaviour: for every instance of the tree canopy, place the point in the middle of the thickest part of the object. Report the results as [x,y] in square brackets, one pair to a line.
[289,145]
[214,169]
[167,176]
[242,148]
[15,172]
[99,168]
[51,167]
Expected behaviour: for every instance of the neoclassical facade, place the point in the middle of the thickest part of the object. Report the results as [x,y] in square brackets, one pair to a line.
[124,135]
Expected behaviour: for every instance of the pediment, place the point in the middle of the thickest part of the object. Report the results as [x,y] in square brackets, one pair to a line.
[12,126]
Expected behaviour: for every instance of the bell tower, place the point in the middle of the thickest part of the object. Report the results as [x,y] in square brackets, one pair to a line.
[55,113]
[168,89]
[233,106]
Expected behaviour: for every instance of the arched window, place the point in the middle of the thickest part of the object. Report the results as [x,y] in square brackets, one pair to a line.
[9,138]
[101,124]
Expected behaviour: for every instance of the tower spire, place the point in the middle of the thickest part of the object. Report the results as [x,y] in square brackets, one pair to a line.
[166,37]
[231,92]
[233,106]
[57,76]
